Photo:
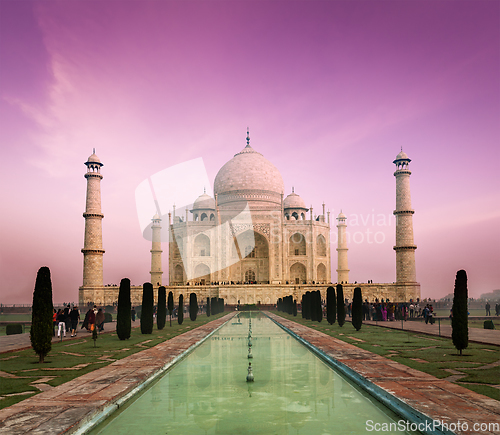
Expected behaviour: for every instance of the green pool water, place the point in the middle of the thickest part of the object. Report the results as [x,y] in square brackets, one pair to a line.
[294,392]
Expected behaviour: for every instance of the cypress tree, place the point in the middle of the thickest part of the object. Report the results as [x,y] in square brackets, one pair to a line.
[331,305]
[340,305]
[193,306]
[41,316]
[161,313]
[124,317]
[208,307]
[180,315]
[170,305]
[307,305]
[295,308]
[213,303]
[319,315]
[357,309]
[459,320]
[147,308]
[313,306]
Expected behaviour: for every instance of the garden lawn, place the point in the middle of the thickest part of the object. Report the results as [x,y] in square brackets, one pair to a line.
[21,373]
[478,368]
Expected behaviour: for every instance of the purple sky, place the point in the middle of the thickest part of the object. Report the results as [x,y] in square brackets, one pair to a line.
[331,90]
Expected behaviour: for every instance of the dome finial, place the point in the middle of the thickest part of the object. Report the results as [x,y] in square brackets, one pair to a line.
[93,150]
[248,136]
[204,189]
[293,189]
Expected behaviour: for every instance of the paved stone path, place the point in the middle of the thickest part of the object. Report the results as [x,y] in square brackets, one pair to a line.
[9,343]
[437,398]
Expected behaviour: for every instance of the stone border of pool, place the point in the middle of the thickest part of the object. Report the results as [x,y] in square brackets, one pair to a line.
[393,383]
[80,404]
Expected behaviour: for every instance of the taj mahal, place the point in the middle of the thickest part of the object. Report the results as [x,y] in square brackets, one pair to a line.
[249,243]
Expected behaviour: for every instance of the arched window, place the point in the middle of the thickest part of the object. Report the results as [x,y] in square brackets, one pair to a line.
[212,217]
[287,216]
[297,244]
[295,215]
[204,217]
[178,274]
[321,246]
[303,216]
[249,275]
[202,246]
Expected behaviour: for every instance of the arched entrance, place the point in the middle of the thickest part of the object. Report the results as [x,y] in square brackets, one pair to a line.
[202,274]
[298,274]
[253,251]
[321,273]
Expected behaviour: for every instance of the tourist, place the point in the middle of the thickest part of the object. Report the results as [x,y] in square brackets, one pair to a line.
[74,316]
[132,314]
[61,322]
[67,319]
[487,307]
[91,320]
[99,320]
[54,322]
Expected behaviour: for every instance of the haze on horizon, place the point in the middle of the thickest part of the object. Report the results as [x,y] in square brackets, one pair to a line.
[331,91]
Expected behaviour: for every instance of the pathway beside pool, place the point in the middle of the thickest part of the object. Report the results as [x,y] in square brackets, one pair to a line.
[65,408]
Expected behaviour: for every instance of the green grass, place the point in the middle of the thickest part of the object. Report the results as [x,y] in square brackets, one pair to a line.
[405,347]
[81,355]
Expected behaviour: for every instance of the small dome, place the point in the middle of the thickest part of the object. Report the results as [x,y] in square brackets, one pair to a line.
[204,202]
[294,201]
[401,156]
[156,217]
[93,158]
[341,216]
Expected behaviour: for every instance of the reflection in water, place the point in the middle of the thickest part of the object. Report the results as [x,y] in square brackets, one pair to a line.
[207,393]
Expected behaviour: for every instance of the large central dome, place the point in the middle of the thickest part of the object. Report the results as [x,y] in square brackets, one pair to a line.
[249,176]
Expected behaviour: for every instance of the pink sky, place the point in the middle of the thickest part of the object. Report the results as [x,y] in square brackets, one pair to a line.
[330,91]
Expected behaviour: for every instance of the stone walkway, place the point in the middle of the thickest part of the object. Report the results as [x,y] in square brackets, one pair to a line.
[9,343]
[439,399]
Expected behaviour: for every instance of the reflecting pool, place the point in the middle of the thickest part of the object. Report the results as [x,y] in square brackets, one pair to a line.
[294,392]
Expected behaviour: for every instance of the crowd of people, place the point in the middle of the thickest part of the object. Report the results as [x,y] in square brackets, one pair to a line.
[67,319]
[391,311]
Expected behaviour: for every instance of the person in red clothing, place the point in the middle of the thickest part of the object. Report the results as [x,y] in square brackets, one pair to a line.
[91,320]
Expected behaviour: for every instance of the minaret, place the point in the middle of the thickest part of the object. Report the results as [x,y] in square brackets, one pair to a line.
[342,271]
[92,249]
[156,272]
[405,247]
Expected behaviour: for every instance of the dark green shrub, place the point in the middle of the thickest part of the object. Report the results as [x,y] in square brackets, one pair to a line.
[459,321]
[161,313]
[340,305]
[488,324]
[41,316]
[331,305]
[170,305]
[123,317]
[294,311]
[319,310]
[147,308]
[306,305]
[193,306]
[108,317]
[13,329]
[180,316]
[357,309]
